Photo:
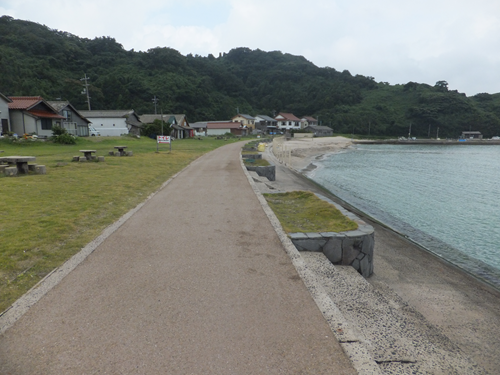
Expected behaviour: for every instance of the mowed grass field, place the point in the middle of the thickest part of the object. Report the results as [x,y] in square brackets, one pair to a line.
[45,219]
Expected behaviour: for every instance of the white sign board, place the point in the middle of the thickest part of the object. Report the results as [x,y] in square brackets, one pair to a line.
[163,139]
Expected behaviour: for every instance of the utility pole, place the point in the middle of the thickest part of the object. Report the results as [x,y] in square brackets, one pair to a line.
[409,132]
[155,101]
[437,133]
[86,88]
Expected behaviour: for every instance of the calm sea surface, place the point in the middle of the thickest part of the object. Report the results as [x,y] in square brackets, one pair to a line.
[446,198]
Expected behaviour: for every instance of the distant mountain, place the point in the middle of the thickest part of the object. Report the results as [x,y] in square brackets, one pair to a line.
[36,60]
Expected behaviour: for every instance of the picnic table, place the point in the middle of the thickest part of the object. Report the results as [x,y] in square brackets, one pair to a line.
[20,161]
[88,153]
[121,150]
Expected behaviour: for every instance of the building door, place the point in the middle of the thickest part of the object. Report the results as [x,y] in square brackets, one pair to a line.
[5,126]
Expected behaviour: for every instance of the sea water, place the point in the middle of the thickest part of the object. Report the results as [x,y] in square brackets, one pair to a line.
[444,197]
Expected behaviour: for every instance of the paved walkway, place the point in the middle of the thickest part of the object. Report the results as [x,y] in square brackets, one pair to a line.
[195,282]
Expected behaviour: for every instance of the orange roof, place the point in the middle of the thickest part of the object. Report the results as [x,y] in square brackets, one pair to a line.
[24,102]
[45,114]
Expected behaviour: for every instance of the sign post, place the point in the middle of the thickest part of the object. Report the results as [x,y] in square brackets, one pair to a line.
[163,139]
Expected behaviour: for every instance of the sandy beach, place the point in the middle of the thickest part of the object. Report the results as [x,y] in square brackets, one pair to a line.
[304,151]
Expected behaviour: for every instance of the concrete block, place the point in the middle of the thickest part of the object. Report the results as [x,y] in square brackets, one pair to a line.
[111,153]
[2,168]
[297,236]
[31,167]
[130,153]
[93,157]
[10,171]
[40,169]
[82,159]
[76,158]
[101,158]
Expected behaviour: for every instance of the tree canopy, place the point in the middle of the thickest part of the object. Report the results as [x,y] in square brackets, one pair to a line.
[37,60]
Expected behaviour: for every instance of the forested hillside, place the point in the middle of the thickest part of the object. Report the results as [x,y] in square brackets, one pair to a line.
[36,60]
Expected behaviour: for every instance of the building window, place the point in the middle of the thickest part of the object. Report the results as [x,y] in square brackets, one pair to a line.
[46,124]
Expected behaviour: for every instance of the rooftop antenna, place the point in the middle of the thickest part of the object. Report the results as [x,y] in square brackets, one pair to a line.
[86,88]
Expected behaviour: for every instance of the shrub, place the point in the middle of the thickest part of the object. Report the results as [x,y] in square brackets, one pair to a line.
[60,135]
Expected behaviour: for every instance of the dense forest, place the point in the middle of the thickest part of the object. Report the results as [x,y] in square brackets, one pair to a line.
[36,60]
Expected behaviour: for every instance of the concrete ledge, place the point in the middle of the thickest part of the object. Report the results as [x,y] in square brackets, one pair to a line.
[353,248]
[267,171]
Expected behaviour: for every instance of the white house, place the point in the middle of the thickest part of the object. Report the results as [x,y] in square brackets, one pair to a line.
[115,122]
[287,121]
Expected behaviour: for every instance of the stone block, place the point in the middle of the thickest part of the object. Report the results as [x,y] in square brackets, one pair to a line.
[307,245]
[10,171]
[76,158]
[365,266]
[2,168]
[93,157]
[100,158]
[333,249]
[111,153]
[368,245]
[82,159]
[31,167]
[350,250]
[314,236]
[297,236]
[40,169]
[130,153]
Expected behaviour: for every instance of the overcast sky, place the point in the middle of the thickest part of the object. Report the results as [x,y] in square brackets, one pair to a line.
[393,41]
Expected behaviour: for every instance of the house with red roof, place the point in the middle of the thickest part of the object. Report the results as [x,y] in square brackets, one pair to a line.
[287,121]
[32,114]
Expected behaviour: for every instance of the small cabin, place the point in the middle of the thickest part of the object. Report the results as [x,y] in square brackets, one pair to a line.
[471,135]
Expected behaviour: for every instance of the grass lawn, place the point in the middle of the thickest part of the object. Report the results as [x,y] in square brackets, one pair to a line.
[256,162]
[304,212]
[45,219]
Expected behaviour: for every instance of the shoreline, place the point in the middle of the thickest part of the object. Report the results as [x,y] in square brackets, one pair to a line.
[453,302]
[305,153]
